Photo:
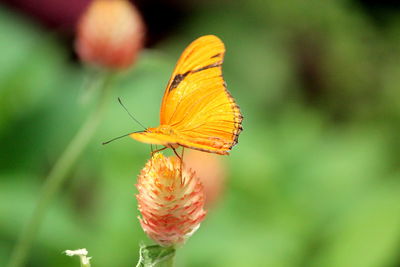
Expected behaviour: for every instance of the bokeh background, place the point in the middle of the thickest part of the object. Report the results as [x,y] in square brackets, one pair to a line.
[314,180]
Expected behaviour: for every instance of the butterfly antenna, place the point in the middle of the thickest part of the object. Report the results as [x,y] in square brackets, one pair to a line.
[138,122]
[116,138]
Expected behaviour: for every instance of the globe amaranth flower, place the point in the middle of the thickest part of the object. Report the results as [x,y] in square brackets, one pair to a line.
[110,34]
[171,202]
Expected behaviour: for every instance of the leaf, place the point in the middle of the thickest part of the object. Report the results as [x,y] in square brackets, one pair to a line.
[155,255]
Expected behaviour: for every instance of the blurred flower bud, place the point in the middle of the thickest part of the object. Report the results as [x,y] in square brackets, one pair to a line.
[110,34]
[171,205]
[211,170]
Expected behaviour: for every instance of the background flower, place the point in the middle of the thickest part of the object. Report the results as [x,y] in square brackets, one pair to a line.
[211,170]
[110,34]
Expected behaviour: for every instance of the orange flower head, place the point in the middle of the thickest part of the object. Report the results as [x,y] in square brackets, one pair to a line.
[110,34]
[171,204]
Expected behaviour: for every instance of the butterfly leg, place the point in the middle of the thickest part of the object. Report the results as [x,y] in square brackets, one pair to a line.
[183,150]
[180,157]
[157,150]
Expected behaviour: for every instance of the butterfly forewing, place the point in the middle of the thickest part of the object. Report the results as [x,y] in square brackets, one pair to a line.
[196,102]
[203,53]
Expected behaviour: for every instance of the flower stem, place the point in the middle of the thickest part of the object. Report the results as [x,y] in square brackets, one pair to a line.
[59,173]
[167,262]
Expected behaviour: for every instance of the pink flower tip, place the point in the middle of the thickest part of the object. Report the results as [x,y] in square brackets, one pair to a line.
[110,34]
[171,203]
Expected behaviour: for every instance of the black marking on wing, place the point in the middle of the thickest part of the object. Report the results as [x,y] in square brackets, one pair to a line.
[214,65]
[216,55]
[180,77]
[177,80]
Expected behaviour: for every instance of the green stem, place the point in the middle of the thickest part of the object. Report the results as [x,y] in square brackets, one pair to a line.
[168,262]
[58,174]
[85,261]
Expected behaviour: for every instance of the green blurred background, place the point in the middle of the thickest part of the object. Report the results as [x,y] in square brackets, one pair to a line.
[314,180]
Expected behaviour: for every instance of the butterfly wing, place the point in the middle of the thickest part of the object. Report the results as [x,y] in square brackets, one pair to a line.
[196,102]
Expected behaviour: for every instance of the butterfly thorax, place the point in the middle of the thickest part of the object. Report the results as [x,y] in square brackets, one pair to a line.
[166,131]
[162,129]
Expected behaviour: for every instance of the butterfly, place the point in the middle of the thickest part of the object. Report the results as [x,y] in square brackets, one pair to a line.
[197,111]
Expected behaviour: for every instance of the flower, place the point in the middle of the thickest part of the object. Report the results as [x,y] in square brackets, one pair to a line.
[171,203]
[110,34]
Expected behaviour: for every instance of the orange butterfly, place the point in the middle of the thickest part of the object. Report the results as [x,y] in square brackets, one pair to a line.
[197,111]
